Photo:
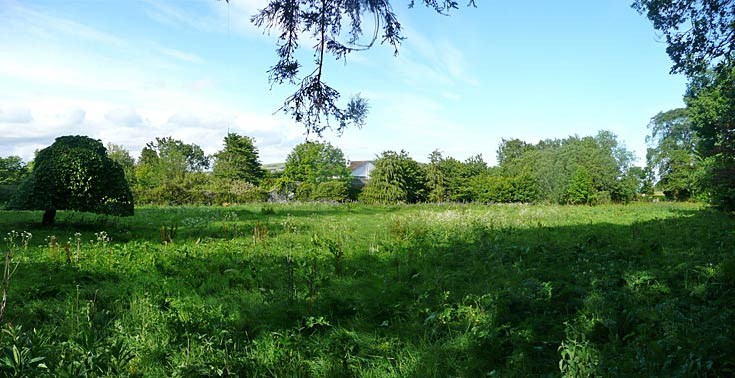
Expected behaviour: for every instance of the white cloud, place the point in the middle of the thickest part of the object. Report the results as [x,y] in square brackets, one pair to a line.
[218,16]
[439,62]
[56,53]
[202,83]
[15,114]
[126,117]
[71,118]
[19,16]
[104,95]
[167,13]
[42,73]
[181,55]
[454,62]
[417,123]
[221,17]
[202,120]
[205,125]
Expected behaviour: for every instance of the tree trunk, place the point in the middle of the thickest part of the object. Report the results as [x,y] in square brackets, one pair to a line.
[49,217]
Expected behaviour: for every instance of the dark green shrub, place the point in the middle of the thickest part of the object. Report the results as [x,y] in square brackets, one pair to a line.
[303,191]
[6,193]
[491,188]
[580,191]
[236,191]
[169,193]
[396,178]
[525,189]
[331,191]
[601,198]
[204,190]
[382,193]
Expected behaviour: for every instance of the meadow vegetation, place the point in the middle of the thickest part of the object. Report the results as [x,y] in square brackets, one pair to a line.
[522,287]
[318,290]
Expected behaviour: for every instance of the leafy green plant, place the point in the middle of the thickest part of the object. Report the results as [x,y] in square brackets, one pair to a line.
[18,356]
[580,190]
[578,359]
[335,191]
[397,178]
[334,248]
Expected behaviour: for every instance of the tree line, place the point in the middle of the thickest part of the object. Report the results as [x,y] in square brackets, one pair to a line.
[691,154]
[78,172]
[574,170]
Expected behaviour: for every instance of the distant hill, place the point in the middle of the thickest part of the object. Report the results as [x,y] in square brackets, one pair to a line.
[274,167]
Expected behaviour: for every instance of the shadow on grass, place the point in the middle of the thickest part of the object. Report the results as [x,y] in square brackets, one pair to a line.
[651,298]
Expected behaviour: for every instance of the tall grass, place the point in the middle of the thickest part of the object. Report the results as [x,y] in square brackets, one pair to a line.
[400,291]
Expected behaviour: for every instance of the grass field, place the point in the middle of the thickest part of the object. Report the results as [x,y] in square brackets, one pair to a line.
[349,290]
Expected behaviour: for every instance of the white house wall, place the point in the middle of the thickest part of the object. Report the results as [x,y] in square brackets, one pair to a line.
[363,170]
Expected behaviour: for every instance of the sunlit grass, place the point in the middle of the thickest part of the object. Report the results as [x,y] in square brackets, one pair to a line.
[351,290]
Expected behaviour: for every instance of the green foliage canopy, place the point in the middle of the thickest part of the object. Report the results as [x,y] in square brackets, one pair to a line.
[448,179]
[698,32]
[701,41]
[122,156]
[315,162]
[165,160]
[711,103]
[511,149]
[672,154]
[396,178]
[545,171]
[580,190]
[12,170]
[316,171]
[238,160]
[495,187]
[75,173]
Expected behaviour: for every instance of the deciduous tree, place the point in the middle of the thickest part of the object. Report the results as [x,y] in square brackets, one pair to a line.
[12,170]
[711,106]
[315,162]
[449,179]
[167,159]
[701,42]
[672,153]
[396,178]
[74,173]
[546,170]
[122,156]
[238,160]
[700,33]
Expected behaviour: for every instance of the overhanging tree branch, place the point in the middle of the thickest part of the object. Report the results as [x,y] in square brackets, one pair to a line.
[315,104]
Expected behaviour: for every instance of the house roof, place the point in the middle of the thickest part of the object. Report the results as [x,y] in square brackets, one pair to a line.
[359,163]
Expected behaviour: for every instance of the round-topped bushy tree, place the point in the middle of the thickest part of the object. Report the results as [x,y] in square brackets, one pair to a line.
[74,173]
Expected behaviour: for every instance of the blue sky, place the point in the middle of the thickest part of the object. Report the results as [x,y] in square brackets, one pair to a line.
[129,71]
